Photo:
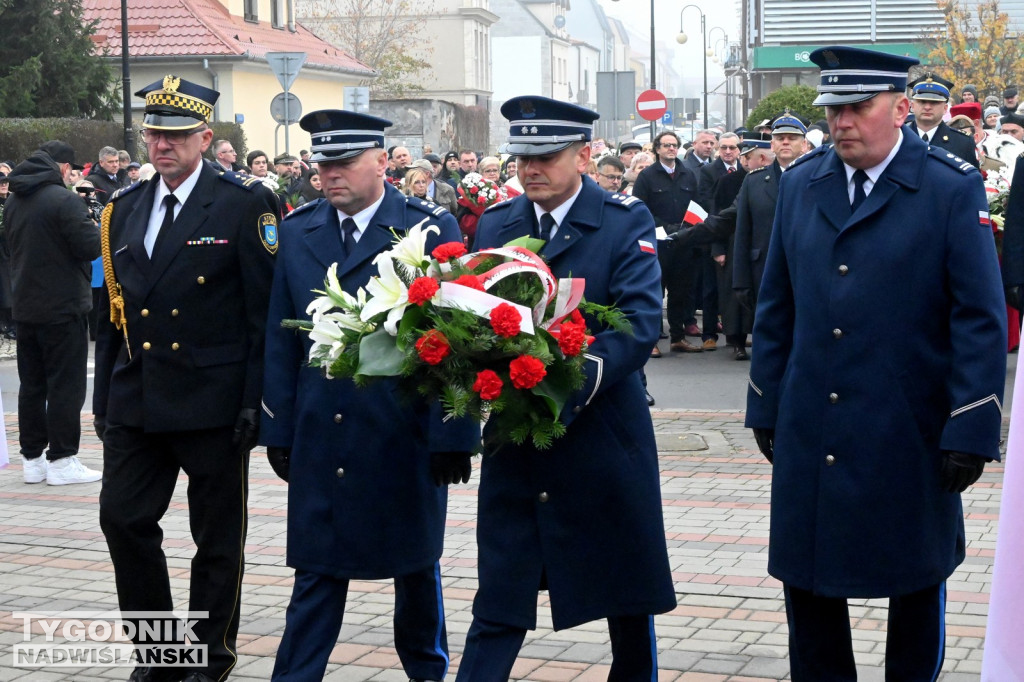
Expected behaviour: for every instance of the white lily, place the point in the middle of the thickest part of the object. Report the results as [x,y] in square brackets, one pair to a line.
[410,249]
[328,341]
[388,293]
[333,296]
[348,320]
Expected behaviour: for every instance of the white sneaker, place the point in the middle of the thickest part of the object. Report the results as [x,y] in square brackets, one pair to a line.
[69,470]
[34,470]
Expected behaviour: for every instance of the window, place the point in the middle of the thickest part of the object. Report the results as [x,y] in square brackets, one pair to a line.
[252,10]
[276,14]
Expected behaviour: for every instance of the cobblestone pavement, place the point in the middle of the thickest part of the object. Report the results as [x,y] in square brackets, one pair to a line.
[729,625]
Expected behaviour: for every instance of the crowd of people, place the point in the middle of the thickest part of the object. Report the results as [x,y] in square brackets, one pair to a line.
[189,263]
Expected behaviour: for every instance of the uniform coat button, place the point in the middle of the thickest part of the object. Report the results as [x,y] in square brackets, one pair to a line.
[174,313]
[577,409]
[543,497]
[833,398]
[175,346]
[843,269]
[144,312]
[146,346]
[830,460]
[338,418]
[340,473]
[201,280]
[838,333]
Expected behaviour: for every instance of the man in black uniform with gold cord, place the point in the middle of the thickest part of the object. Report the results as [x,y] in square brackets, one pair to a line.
[929,100]
[188,259]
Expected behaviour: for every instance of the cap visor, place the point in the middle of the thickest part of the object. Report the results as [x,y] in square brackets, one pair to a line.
[832,99]
[928,97]
[170,122]
[518,149]
[793,130]
[321,157]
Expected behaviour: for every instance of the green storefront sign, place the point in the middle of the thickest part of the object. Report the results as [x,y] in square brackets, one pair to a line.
[798,56]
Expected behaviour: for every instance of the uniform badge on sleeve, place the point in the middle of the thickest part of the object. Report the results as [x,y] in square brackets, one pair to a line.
[268,231]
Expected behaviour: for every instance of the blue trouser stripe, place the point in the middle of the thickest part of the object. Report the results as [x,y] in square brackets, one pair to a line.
[942,631]
[439,647]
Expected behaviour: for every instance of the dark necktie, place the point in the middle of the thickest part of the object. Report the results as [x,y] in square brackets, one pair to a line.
[348,228]
[859,177]
[170,201]
[730,169]
[546,223]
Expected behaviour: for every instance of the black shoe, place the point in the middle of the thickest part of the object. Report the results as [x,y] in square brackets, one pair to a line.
[650,398]
[740,353]
[196,676]
[148,674]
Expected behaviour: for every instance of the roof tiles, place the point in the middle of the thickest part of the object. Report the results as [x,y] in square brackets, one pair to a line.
[173,28]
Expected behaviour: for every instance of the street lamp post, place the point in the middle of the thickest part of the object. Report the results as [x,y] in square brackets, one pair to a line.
[682,38]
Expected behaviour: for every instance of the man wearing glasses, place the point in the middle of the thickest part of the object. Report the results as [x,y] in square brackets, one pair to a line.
[667,187]
[189,258]
[610,172]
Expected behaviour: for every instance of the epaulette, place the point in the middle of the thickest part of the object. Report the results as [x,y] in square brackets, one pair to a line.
[627,201]
[249,182]
[951,159]
[305,207]
[817,151]
[125,190]
[426,206]
[500,206]
[758,170]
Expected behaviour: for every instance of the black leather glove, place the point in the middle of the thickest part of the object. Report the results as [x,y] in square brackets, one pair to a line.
[99,425]
[280,461]
[247,428]
[960,470]
[766,443]
[745,297]
[1015,297]
[450,467]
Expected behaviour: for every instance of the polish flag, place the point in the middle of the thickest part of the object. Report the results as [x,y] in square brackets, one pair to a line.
[695,214]
[984,219]
[646,246]
[1004,656]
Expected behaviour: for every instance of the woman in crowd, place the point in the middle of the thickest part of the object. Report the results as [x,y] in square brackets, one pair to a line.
[416,182]
[311,190]
[490,168]
[640,161]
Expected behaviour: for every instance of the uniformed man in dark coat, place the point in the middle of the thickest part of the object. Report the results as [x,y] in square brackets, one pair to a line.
[583,518]
[874,436]
[367,467]
[755,207]
[1013,241]
[929,101]
[189,260]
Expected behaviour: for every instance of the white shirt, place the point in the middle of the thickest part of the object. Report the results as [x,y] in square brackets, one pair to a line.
[558,213]
[873,172]
[363,218]
[156,214]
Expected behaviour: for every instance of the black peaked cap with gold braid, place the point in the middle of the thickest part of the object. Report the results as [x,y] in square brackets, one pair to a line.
[177,104]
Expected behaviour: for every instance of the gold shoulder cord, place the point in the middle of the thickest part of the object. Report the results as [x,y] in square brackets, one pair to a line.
[117,316]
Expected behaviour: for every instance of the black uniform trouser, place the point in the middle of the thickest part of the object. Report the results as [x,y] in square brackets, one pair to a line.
[821,647]
[679,269]
[492,649]
[52,360]
[140,471]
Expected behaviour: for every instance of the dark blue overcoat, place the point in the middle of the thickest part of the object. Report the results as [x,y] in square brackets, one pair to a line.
[586,514]
[361,501]
[879,342]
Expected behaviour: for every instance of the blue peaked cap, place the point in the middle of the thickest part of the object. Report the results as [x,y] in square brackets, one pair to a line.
[788,123]
[541,125]
[338,134]
[853,74]
[931,88]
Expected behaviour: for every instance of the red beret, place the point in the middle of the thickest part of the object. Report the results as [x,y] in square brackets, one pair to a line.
[971,110]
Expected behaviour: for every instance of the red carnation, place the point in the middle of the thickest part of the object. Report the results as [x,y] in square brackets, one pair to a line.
[433,347]
[422,290]
[471,281]
[488,384]
[481,199]
[505,320]
[570,338]
[474,189]
[576,317]
[448,250]
[526,371]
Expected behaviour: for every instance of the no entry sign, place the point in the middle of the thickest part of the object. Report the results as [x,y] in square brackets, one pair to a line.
[651,105]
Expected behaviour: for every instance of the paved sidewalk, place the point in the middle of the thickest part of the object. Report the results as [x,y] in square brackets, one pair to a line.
[729,625]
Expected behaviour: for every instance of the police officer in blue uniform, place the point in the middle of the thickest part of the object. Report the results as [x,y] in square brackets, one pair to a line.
[873,436]
[582,519]
[189,258]
[929,101]
[367,467]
